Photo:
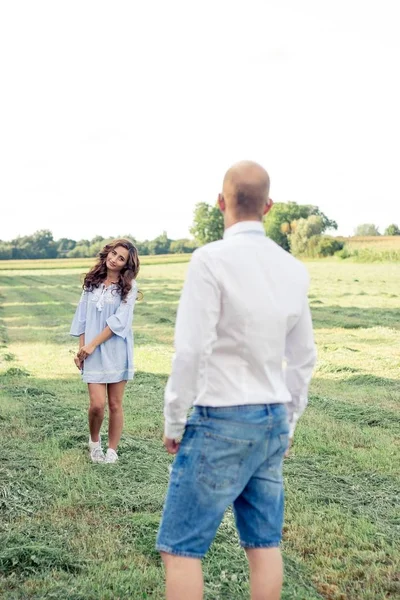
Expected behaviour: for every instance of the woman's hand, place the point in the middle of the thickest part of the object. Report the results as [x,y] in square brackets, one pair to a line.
[86,351]
[78,362]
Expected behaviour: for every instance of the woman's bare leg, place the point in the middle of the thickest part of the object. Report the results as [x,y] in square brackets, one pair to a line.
[97,397]
[116,415]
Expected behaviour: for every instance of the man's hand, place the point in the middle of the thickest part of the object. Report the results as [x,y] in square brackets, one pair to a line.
[287,453]
[86,351]
[171,446]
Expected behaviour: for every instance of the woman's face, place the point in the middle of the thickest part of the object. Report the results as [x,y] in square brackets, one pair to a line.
[116,258]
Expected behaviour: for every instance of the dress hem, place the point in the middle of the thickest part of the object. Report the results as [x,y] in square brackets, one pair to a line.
[116,379]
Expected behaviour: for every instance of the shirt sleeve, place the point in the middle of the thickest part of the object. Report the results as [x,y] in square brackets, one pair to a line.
[120,323]
[78,325]
[300,360]
[195,333]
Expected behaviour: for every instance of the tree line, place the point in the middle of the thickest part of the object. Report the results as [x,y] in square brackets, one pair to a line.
[298,228]
[369,229]
[42,245]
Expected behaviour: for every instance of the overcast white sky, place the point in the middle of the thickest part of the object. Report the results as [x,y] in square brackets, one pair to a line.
[118,117]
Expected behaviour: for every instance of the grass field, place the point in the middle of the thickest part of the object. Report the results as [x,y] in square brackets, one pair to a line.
[379,242]
[378,248]
[82,263]
[70,530]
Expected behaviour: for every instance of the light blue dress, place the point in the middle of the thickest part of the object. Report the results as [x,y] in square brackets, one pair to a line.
[112,361]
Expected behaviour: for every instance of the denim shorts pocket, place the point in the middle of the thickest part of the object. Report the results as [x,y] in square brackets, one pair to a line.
[221,459]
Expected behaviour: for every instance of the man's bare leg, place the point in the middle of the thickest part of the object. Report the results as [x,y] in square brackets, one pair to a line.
[184,577]
[266,573]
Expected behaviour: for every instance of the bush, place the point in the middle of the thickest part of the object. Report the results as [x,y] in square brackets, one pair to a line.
[369,255]
[303,230]
[316,246]
[328,246]
[344,253]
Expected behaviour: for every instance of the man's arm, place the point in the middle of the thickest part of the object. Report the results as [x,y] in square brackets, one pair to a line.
[195,333]
[300,356]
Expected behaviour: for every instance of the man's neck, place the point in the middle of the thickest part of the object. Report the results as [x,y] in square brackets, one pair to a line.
[230,220]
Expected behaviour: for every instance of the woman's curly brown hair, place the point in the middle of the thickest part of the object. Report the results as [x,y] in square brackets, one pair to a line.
[98,274]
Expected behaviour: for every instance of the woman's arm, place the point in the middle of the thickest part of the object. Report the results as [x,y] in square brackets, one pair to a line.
[77,360]
[87,349]
[120,323]
[78,325]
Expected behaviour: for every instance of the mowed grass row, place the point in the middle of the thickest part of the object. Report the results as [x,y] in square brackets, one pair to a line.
[73,530]
[83,263]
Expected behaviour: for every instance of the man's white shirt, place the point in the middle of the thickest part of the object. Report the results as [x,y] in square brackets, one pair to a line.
[243,332]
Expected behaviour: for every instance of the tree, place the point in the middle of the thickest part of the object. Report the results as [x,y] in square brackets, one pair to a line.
[83,243]
[306,238]
[65,245]
[39,245]
[98,239]
[97,244]
[5,250]
[43,244]
[392,230]
[366,230]
[208,223]
[143,247]
[80,251]
[278,223]
[160,245]
[183,246]
[302,231]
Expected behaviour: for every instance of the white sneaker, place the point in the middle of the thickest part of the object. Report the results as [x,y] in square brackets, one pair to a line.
[96,451]
[111,456]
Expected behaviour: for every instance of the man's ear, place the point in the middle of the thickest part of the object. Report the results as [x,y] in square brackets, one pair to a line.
[268,205]
[221,203]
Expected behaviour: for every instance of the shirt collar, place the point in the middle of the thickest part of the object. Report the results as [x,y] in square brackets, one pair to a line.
[244,227]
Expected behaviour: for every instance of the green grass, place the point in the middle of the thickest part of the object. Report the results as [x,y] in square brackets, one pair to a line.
[83,263]
[73,530]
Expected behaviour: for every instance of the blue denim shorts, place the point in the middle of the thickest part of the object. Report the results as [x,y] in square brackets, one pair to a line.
[229,455]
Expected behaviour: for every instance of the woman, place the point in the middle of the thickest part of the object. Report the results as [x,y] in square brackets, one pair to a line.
[103,322]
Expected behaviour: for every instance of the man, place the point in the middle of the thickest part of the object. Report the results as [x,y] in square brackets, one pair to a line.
[243,312]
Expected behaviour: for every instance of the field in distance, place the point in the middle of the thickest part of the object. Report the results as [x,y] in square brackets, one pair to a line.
[84,263]
[378,242]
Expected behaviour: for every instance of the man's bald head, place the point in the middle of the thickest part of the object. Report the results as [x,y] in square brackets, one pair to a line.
[245,190]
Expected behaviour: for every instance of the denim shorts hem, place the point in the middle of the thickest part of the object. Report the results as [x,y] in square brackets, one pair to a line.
[259,545]
[169,550]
